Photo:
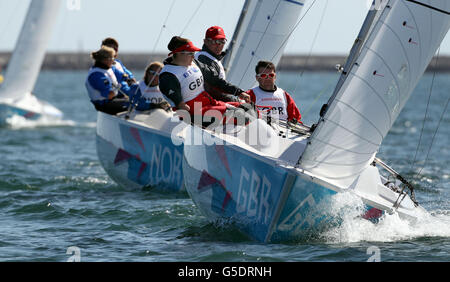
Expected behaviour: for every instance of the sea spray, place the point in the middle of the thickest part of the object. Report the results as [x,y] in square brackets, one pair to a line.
[19,122]
[347,208]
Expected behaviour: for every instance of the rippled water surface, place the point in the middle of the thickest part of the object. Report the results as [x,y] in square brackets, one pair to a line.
[55,195]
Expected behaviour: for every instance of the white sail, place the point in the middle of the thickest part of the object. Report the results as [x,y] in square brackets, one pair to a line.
[266,28]
[401,42]
[26,60]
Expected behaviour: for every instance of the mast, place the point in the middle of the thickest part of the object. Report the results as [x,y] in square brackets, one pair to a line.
[232,46]
[354,53]
[393,49]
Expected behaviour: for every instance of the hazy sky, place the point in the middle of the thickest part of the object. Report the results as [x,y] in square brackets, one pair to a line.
[137,24]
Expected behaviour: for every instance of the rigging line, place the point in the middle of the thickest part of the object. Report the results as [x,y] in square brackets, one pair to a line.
[285,40]
[307,61]
[324,90]
[429,6]
[132,105]
[192,17]
[260,40]
[295,27]
[312,46]
[426,111]
[434,135]
[163,26]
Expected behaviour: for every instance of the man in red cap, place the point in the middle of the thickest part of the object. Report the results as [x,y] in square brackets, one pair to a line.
[211,54]
[183,80]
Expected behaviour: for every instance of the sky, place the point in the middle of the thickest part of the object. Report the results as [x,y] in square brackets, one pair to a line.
[147,25]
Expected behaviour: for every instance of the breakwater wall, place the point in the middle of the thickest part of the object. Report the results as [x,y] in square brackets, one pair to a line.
[138,61]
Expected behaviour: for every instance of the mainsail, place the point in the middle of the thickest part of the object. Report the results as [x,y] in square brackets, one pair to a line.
[266,26]
[26,60]
[401,40]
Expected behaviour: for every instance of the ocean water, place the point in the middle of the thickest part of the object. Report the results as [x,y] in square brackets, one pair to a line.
[57,204]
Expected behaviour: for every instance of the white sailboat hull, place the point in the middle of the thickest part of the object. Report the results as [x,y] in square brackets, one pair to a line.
[271,200]
[25,64]
[139,152]
[28,107]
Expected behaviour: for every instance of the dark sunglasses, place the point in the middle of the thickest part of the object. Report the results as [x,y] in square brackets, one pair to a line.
[218,41]
[265,75]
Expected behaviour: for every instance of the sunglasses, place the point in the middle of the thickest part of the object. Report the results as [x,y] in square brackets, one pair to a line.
[265,75]
[218,41]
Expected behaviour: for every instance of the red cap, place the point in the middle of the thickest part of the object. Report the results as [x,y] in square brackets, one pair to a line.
[215,32]
[190,47]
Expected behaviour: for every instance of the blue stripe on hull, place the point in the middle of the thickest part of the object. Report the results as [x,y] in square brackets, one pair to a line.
[146,159]
[250,192]
[7,111]
[304,211]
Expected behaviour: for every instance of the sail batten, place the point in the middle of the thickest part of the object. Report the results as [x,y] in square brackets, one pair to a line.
[380,134]
[399,45]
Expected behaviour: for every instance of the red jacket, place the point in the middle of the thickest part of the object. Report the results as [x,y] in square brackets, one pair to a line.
[292,111]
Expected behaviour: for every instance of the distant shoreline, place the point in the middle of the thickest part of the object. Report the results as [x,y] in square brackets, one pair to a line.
[138,61]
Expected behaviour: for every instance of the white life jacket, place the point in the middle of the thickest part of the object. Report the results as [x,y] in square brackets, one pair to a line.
[190,78]
[95,94]
[222,69]
[152,94]
[276,100]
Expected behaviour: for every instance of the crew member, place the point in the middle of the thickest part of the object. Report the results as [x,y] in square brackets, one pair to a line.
[211,55]
[102,83]
[267,94]
[149,94]
[182,80]
[128,76]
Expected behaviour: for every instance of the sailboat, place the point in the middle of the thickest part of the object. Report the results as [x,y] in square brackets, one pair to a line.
[281,189]
[16,96]
[145,149]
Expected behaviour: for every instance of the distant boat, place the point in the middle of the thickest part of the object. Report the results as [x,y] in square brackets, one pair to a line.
[16,96]
[282,189]
[137,149]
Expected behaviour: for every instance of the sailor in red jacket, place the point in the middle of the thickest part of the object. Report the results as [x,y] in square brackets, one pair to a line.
[267,94]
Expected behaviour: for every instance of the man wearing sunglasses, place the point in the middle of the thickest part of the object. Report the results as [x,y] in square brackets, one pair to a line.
[211,54]
[268,95]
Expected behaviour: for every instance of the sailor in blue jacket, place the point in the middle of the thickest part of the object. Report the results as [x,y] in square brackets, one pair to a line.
[104,83]
[128,75]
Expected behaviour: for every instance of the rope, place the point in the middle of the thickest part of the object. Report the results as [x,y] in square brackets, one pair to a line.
[163,26]
[192,17]
[133,103]
[295,27]
[434,135]
[330,83]
[426,111]
[312,46]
